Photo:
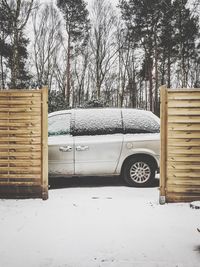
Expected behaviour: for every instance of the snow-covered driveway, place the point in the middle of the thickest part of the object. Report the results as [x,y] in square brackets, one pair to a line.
[108,226]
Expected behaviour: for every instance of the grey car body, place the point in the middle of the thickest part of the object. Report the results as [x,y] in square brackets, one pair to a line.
[104,142]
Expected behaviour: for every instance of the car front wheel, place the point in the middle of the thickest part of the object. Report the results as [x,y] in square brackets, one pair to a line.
[139,172]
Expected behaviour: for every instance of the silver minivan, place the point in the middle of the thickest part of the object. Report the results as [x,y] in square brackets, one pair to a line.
[105,142]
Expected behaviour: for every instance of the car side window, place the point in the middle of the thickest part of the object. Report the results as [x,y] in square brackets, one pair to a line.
[97,122]
[139,121]
[59,124]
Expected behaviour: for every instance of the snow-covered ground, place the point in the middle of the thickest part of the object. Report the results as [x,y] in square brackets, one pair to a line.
[92,226]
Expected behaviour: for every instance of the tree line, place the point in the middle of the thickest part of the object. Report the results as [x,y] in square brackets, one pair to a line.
[100,55]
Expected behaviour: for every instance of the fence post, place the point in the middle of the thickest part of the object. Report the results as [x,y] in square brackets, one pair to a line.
[45,143]
[163,144]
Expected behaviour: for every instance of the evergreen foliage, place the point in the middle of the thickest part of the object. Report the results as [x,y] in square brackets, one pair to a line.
[77,26]
[95,103]
[23,77]
[56,101]
[76,19]
[13,43]
[167,32]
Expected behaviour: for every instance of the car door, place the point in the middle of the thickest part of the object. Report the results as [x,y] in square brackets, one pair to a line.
[61,145]
[98,141]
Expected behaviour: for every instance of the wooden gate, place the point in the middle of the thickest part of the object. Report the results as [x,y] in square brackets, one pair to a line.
[24,143]
[180,145]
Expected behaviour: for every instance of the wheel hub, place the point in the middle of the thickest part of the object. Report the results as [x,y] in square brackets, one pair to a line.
[140,172]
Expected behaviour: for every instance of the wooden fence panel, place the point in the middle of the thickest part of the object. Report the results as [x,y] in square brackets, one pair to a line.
[180,145]
[24,143]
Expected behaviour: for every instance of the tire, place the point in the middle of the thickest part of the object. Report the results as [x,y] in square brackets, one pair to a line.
[139,172]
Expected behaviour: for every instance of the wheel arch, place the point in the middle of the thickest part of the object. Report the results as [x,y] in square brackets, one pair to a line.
[143,155]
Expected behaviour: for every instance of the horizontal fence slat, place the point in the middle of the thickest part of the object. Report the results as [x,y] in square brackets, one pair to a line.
[186,166]
[20,170]
[183,119]
[178,197]
[186,174]
[20,156]
[183,127]
[21,97]
[20,163]
[186,191]
[184,95]
[184,111]
[20,109]
[184,159]
[5,141]
[20,115]
[19,124]
[183,103]
[26,183]
[181,184]
[20,132]
[21,93]
[188,142]
[15,146]
[28,155]
[183,188]
[24,102]
[28,140]
[21,176]
[185,134]
[28,119]
[22,150]
[186,152]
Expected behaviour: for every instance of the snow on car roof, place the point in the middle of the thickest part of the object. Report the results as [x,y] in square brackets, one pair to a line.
[97,121]
[93,121]
[107,109]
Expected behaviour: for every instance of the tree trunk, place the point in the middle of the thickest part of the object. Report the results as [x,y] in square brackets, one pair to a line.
[150,89]
[67,88]
[2,74]
[14,66]
[156,104]
[169,70]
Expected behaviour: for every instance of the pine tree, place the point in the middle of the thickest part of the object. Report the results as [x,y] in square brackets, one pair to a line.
[22,80]
[142,21]
[18,14]
[167,32]
[186,35]
[77,27]
[167,42]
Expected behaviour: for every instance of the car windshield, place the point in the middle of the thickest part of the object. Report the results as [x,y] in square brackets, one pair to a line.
[59,124]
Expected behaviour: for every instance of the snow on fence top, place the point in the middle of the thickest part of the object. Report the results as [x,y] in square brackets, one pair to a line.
[23,143]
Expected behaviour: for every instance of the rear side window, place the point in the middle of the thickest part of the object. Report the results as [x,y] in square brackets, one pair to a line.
[59,124]
[97,122]
[140,121]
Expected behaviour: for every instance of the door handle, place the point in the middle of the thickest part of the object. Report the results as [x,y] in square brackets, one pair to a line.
[82,148]
[65,148]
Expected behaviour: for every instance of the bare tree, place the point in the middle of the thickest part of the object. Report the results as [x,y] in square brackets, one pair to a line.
[102,43]
[47,41]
